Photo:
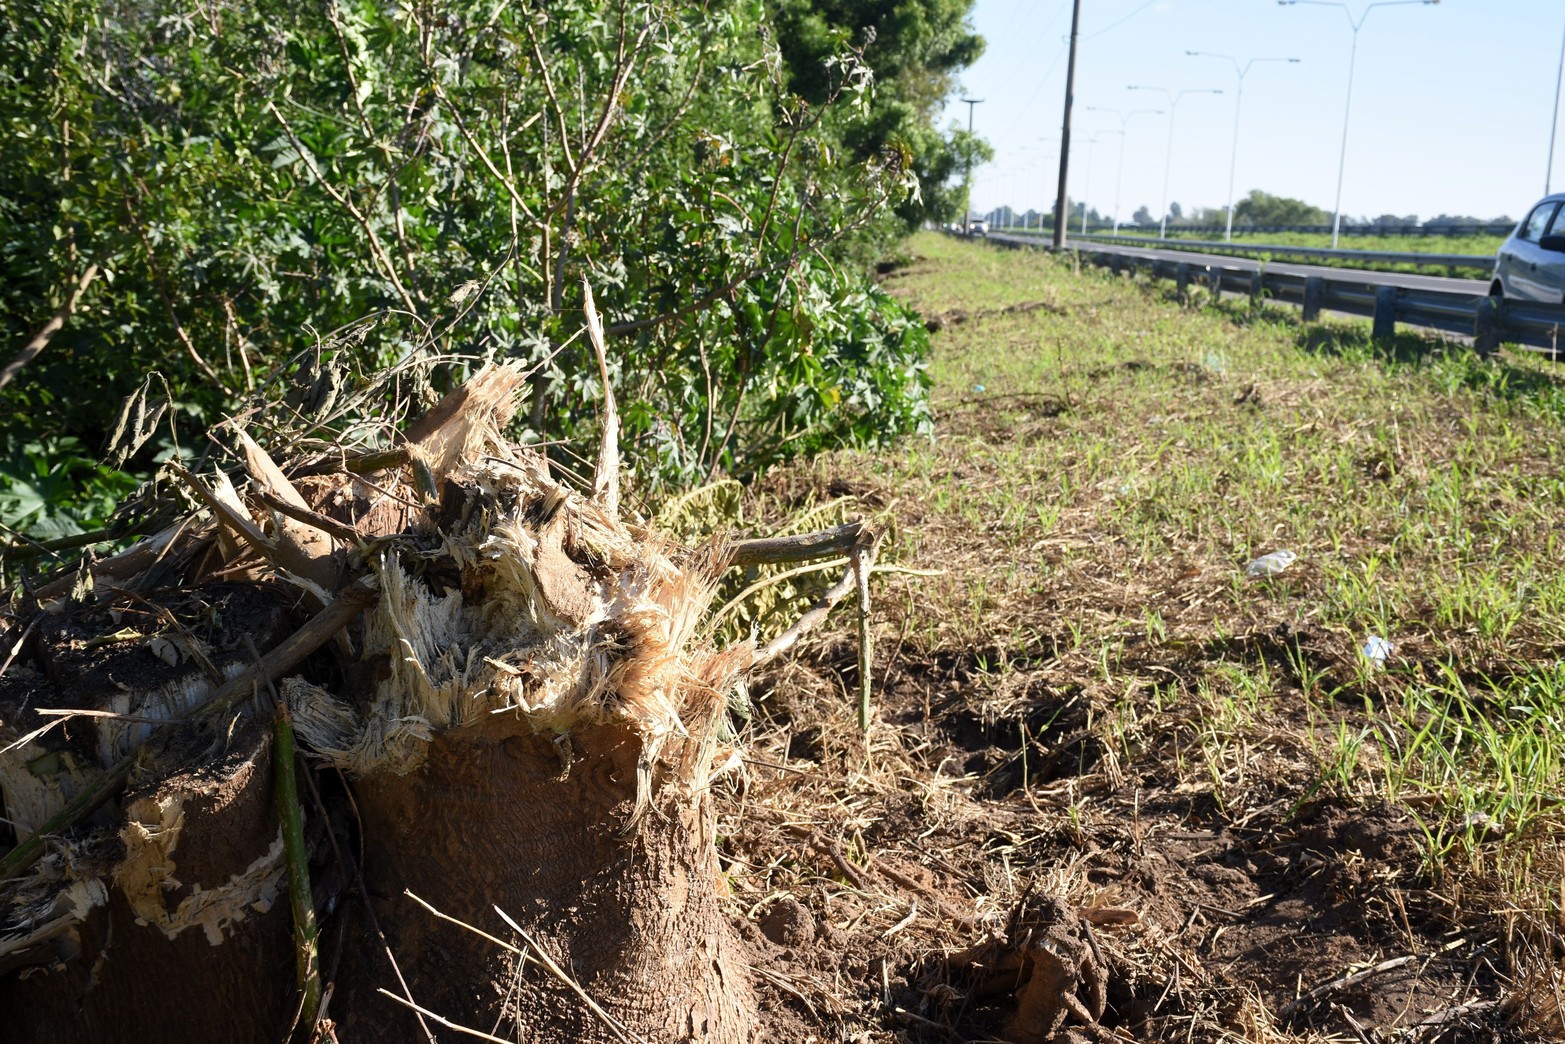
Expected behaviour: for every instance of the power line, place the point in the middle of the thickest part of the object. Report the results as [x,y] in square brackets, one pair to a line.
[1037,90]
[1044,79]
[1121,22]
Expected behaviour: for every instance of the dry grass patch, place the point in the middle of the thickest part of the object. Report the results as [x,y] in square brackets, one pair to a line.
[1093,701]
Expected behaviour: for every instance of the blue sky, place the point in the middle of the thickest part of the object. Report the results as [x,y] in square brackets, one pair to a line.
[1451,103]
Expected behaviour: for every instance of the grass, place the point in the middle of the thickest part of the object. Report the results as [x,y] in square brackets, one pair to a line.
[1420,486]
[1108,458]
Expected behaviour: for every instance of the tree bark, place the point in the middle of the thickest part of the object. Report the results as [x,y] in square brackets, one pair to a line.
[499,816]
[527,712]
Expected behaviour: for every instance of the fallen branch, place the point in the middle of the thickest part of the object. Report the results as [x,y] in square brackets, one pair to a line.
[133,561]
[866,544]
[329,526]
[801,548]
[848,870]
[897,877]
[34,548]
[314,634]
[40,340]
[1327,988]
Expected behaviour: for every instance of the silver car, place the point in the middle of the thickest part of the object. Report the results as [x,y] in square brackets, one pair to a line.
[1531,263]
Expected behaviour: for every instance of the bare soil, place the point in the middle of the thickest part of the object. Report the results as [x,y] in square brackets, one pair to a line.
[885,882]
[1211,929]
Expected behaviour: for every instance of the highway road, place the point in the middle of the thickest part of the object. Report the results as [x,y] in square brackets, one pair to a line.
[1440,284]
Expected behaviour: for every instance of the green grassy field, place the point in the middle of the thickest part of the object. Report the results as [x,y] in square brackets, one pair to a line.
[1093,669]
[1472,246]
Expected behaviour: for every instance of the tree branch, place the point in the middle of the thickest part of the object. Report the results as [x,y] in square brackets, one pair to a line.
[376,246]
[40,340]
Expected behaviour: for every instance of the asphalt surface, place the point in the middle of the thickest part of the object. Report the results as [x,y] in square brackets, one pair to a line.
[1475,287]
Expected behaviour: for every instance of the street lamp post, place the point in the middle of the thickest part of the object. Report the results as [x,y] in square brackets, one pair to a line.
[967,204]
[1086,189]
[1124,121]
[1548,174]
[1347,109]
[1233,154]
[1030,168]
[1168,152]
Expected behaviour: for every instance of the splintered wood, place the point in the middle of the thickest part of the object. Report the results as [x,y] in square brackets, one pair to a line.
[447,583]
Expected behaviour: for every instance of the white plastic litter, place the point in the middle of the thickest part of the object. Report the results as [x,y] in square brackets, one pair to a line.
[1377,650]
[1270,565]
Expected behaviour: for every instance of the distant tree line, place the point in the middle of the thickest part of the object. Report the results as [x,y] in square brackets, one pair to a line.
[1257,210]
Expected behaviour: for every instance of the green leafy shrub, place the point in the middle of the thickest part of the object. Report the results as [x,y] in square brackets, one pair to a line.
[328,190]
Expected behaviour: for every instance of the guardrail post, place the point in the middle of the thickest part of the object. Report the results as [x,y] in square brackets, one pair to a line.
[1214,279]
[1182,277]
[1257,286]
[1385,313]
[1314,297]
[1487,323]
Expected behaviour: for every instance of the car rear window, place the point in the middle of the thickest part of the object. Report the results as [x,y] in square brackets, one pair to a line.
[1537,222]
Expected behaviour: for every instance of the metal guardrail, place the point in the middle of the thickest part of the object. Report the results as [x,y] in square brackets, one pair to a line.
[1488,228]
[1490,321]
[1481,262]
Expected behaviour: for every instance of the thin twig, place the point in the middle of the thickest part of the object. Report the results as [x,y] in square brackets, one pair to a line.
[56,323]
[868,543]
[307,971]
[760,585]
[505,182]
[77,712]
[605,481]
[614,1025]
[358,885]
[862,562]
[1326,988]
[447,1023]
[377,248]
[16,649]
[542,959]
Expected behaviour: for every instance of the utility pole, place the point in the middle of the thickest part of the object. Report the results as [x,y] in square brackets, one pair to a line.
[967,179]
[1060,217]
